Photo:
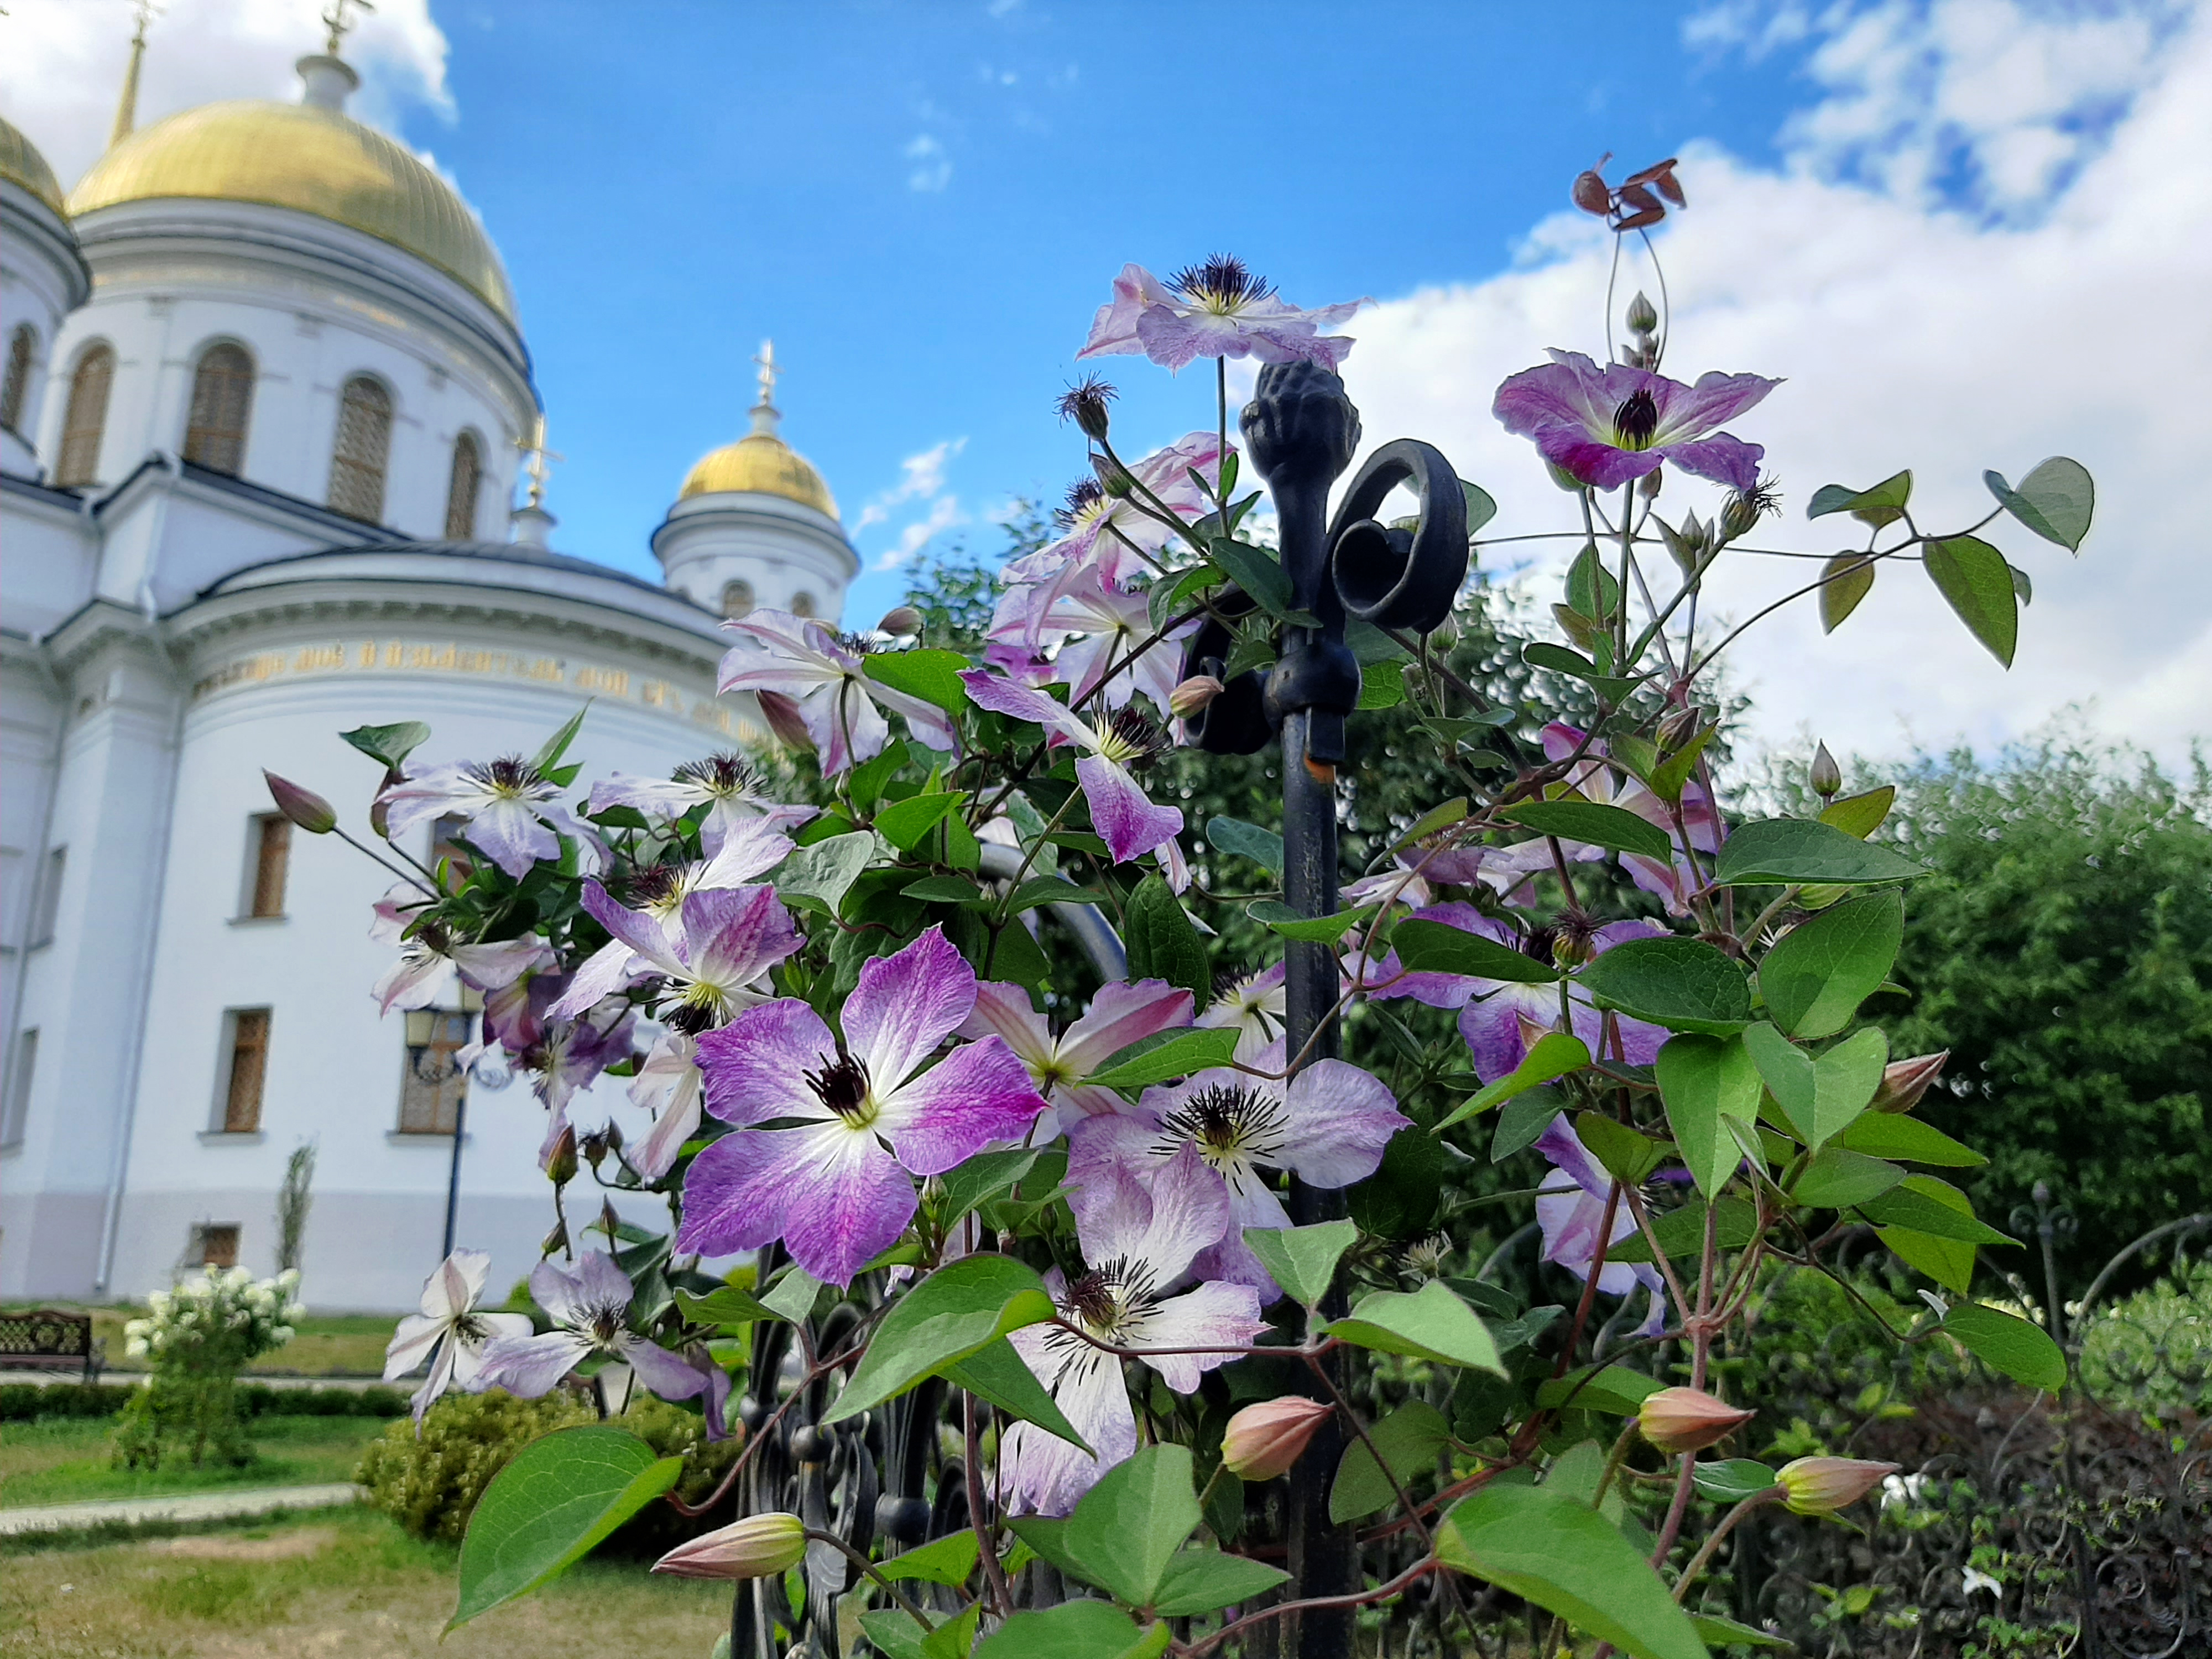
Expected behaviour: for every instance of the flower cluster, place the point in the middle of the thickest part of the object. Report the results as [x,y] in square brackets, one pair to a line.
[222,1316]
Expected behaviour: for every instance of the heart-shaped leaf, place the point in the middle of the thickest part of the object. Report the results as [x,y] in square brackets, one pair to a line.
[1429,1323]
[1817,972]
[1594,824]
[1434,947]
[1683,984]
[2055,500]
[956,1310]
[1703,1079]
[1786,851]
[1302,1259]
[1976,582]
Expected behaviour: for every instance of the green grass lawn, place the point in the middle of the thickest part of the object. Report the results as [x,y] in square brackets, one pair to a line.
[66,1460]
[327,1344]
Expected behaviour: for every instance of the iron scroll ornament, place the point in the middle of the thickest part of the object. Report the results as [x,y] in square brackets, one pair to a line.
[1300,430]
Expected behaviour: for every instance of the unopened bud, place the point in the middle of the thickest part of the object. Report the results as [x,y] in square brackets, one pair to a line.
[1445,634]
[783,719]
[1193,695]
[1679,727]
[380,807]
[302,806]
[901,621]
[593,1146]
[1687,1419]
[561,1161]
[1642,315]
[1263,1441]
[1821,1486]
[1828,776]
[758,1546]
[556,1240]
[1113,477]
[1904,1081]
[1085,404]
[1649,485]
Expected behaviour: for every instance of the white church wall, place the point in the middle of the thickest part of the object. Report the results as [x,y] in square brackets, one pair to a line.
[49,551]
[780,549]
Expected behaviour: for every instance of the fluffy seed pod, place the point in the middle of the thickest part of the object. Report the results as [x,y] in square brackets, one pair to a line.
[758,1546]
[1263,1441]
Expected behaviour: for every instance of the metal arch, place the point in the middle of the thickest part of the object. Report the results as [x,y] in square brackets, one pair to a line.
[1086,922]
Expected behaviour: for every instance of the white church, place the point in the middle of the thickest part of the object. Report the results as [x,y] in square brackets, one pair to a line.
[266,402]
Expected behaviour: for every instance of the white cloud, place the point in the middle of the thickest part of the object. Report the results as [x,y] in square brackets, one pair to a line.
[922,478]
[64,65]
[932,168]
[944,514]
[1945,336]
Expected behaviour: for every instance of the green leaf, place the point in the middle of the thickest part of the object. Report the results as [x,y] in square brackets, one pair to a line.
[1128,1527]
[1168,597]
[793,1293]
[726,1306]
[958,1309]
[1442,816]
[1434,947]
[985,1176]
[1560,660]
[1255,570]
[1683,984]
[1682,1232]
[1703,1079]
[1205,1581]
[1593,824]
[1563,1555]
[1837,1178]
[1882,504]
[817,877]
[390,744]
[2055,500]
[904,823]
[1912,1206]
[996,1373]
[1819,1098]
[1845,580]
[1975,580]
[1480,510]
[1280,918]
[1408,1438]
[1731,1479]
[1817,972]
[1554,1054]
[1860,815]
[1050,890]
[1161,941]
[1612,1388]
[1429,1323]
[946,890]
[1949,1262]
[2006,1343]
[1302,1259]
[1672,775]
[1523,1121]
[1048,1539]
[1716,1632]
[1074,1630]
[1624,1155]
[1166,1055]
[954,1638]
[892,1630]
[1263,847]
[948,1561]
[1894,1135]
[542,1513]
[1783,852]
[549,756]
[1382,685]
[931,676]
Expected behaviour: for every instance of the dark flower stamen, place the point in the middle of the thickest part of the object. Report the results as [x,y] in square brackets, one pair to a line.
[1223,281]
[1229,1124]
[509,774]
[1082,495]
[1637,420]
[841,1085]
[725,774]
[1144,742]
[1085,404]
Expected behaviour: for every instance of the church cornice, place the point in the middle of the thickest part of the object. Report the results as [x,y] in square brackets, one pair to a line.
[233,494]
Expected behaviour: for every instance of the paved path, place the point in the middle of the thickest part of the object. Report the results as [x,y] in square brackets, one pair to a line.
[187,1508]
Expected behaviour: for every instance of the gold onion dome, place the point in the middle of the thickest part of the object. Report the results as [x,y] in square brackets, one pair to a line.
[761,462]
[22,164]
[312,160]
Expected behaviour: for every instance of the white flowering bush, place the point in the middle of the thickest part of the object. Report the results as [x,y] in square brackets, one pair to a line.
[195,1339]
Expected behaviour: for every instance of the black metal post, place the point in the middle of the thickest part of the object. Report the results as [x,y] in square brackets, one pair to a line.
[453,1169]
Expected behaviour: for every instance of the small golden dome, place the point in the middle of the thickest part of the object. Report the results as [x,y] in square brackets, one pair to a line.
[21,163]
[762,463]
[309,158]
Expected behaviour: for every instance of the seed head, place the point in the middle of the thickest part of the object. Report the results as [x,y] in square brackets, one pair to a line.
[1085,404]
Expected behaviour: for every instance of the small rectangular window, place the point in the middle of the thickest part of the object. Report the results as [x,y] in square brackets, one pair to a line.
[430,1087]
[19,1088]
[248,1070]
[215,1244]
[271,841]
[50,896]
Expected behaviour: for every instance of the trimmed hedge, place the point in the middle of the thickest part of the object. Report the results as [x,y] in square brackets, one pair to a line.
[27,1402]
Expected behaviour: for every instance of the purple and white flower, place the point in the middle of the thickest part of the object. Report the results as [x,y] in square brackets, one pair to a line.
[568,1054]
[1119,810]
[670,1086]
[1144,1242]
[728,786]
[1609,427]
[1571,1210]
[1112,534]
[823,675]
[710,961]
[1254,1007]
[431,956]
[449,1332]
[1060,1065]
[838,1188]
[1219,309]
[1697,822]
[1109,625]
[511,810]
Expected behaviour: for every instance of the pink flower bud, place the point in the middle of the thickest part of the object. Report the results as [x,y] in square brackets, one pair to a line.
[561,1161]
[1828,776]
[1821,1486]
[1192,696]
[901,621]
[782,716]
[302,806]
[1263,1441]
[1904,1081]
[758,1546]
[1687,1419]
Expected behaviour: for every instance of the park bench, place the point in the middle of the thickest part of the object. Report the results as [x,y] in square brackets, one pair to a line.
[48,1340]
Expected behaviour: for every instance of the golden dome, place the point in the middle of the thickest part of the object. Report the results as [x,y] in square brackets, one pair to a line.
[762,463]
[309,158]
[21,163]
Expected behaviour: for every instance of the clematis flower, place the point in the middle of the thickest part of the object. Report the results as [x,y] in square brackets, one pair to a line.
[511,808]
[1501,1019]
[1118,1016]
[708,965]
[431,956]
[758,1546]
[838,1190]
[1109,625]
[1219,309]
[449,1332]
[670,1086]
[589,1308]
[1255,1006]
[821,673]
[1821,1486]
[568,1054]
[1109,533]
[728,786]
[1328,1125]
[1671,879]
[1608,427]
[1262,1442]
[1419,869]
[1144,1243]
[1570,1209]
[1123,815]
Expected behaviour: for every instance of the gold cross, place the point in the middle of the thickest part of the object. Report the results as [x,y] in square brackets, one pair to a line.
[534,447]
[767,362]
[336,20]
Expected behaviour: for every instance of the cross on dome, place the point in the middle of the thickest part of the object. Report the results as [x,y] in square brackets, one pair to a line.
[335,19]
[766,359]
[534,447]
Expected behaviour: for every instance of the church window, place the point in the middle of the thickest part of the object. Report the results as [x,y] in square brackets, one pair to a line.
[215,1244]
[22,346]
[461,493]
[803,603]
[222,397]
[19,1088]
[87,419]
[248,1030]
[737,598]
[364,443]
[271,843]
[431,1086]
[49,903]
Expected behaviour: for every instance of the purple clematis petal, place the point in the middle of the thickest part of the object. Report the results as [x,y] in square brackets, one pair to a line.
[1337,1119]
[1607,427]
[757,1064]
[531,1367]
[905,1004]
[1124,815]
[974,1096]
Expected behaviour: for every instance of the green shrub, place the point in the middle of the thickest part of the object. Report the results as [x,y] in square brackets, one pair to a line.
[2153,1351]
[27,1402]
[429,1483]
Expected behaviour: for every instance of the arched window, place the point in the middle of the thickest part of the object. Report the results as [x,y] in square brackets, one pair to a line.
[222,396]
[802,604]
[22,346]
[737,598]
[461,493]
[87,419]
[364,442]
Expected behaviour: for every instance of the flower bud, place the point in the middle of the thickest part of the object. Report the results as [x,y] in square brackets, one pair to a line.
[302,806]
[1649,485]
[561,1161]
[1679,726]
[1821,1486]
[1904,1081]
[758,1546]
[1687,1419]
[1642,315]
[556,1240]
[901,621]
[1738,516]
[1828,776]
[1263,1441]
[1446,634]
[783,719]
[1113,477]
[1192,696]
